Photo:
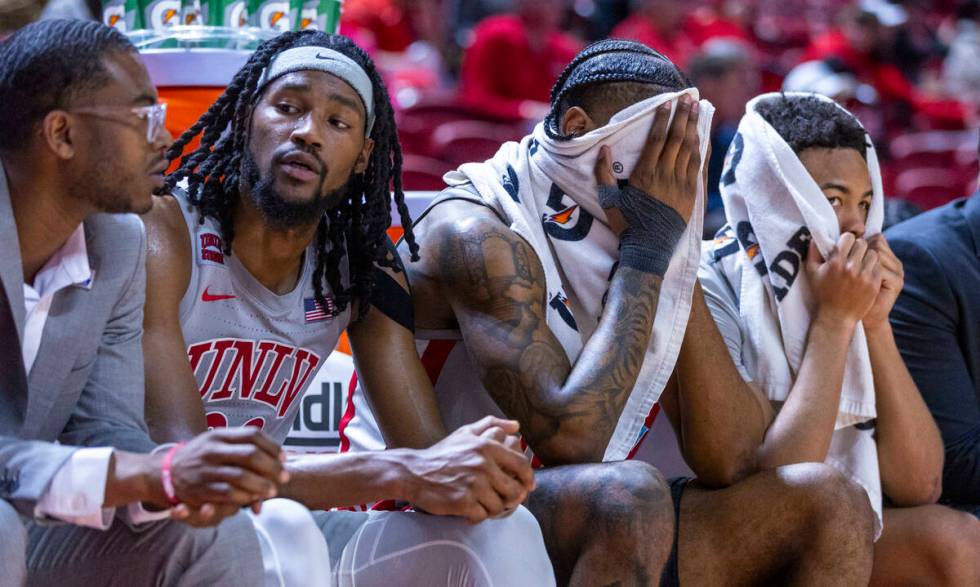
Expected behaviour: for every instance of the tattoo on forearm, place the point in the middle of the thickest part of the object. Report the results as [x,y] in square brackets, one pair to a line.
[611,362]
[523,366]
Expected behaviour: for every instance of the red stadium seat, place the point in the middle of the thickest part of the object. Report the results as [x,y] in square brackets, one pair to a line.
[923,164]
[416,123]
[464,141]
[423,173]
[934,143]
[929,187]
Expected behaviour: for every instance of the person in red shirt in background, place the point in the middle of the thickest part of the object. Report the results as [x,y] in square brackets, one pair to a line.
[671,28]
[405,38]
[514,60]
[386,21]
[730,19]
[861,43]
[659,24]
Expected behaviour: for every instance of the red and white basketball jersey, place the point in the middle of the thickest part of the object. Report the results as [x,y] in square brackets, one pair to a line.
[253,352]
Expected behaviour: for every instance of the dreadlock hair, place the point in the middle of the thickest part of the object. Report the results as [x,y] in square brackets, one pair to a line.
[46,66]
[608,76]
[807,122]
[355,227]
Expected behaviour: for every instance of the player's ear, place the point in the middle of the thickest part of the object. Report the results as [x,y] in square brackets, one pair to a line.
[59,132]
[365,157]
[576,122]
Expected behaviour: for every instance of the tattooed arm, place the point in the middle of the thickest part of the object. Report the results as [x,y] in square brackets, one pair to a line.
[495,285]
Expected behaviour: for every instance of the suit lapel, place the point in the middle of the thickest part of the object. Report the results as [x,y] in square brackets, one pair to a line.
[68,321]
[57,356]
[972,212]
[13,379]
[11,266]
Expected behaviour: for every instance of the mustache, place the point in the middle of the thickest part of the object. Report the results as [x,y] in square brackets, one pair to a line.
[283,214]
[281,156]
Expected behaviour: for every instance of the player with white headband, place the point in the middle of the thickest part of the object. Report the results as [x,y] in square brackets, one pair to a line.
[269,244]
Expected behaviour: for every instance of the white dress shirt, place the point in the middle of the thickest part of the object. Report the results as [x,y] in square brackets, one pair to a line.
[77,490]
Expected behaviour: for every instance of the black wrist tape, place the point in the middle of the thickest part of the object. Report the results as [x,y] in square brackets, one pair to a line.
[654,230]
[609,196]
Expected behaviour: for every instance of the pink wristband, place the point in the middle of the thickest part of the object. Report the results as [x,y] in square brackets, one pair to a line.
[166,476]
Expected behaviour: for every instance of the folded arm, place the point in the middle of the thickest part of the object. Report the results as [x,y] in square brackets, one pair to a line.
[910,450]
[475,472]
[844,287]
[925,322]
[720,420]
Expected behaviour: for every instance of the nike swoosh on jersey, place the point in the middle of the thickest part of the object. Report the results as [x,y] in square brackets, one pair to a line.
[209,297]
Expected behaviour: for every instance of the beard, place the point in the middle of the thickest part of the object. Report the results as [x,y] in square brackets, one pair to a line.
[281,213]
[109,194]
[110,186]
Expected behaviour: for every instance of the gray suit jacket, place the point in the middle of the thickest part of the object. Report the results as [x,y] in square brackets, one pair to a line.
[86,385]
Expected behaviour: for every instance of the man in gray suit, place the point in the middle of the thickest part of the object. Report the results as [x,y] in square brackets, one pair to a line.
[82,143]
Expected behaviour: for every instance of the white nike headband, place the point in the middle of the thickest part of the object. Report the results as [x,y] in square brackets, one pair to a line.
[329,61]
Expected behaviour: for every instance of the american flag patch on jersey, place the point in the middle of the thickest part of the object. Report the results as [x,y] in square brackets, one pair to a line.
[314,311]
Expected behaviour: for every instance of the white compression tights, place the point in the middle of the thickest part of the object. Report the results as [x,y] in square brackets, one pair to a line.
[399,548]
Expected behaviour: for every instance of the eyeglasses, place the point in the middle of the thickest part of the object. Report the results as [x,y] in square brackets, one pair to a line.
[155,115]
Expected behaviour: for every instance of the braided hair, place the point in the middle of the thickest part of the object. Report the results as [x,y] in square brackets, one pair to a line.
[611,71]
[355,227]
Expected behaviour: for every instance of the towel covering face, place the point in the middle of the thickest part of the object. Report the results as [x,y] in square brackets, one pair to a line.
[774,208]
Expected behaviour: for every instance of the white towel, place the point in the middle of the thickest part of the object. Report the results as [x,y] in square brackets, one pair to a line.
[546,190]
[774,205]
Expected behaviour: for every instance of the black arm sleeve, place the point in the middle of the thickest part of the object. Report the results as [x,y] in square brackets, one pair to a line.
[389,297]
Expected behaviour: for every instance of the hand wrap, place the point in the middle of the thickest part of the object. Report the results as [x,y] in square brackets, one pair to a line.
[654,229]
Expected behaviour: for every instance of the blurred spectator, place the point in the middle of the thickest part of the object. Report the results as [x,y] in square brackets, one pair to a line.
[961,69]
[607,14]
[393,26]
[822,77]
[833,79]
[386,21]
[725,75]
[514,60]
[720,19]
[462,16]
[918,51]
[862,43]
[659,24]
[406,39]
[673,29]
